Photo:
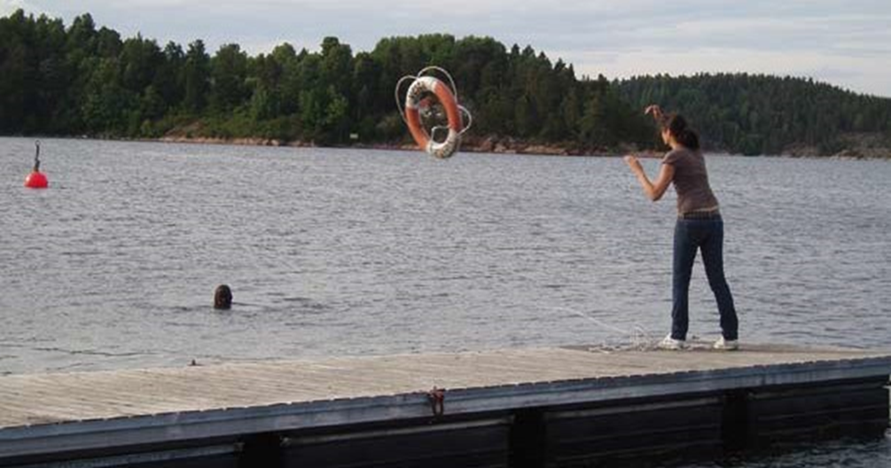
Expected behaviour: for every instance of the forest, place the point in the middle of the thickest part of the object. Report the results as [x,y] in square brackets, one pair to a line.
[85,80]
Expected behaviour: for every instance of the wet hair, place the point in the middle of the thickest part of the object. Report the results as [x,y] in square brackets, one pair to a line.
[222,297]
[678,128]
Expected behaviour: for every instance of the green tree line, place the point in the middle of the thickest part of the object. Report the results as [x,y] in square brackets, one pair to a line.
[82,79]
[758,114]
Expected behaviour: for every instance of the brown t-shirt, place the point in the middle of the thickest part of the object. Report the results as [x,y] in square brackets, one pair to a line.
[691,181]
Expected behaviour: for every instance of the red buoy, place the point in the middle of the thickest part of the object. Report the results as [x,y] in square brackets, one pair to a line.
[37,180]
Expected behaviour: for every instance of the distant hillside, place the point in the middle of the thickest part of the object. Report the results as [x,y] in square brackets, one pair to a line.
[758,114]
[82,79]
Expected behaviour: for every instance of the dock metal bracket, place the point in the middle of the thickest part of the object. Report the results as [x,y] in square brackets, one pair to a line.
[436,397]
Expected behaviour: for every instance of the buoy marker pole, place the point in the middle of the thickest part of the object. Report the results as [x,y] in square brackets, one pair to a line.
[36,179]
[37,157]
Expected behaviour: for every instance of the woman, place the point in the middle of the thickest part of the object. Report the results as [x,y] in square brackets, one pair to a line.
[699,226]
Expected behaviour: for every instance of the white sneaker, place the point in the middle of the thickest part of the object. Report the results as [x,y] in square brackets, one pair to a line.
[726,345]
[670,343]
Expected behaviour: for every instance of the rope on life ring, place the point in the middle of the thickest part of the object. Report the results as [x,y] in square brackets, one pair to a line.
[448,97]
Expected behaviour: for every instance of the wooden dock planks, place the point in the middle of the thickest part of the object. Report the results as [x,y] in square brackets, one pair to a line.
[84,410]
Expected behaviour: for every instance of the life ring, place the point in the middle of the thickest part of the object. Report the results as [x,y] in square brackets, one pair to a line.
[429,84]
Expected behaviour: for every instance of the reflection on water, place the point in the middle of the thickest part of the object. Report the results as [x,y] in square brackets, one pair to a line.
[847,453]
[343,252]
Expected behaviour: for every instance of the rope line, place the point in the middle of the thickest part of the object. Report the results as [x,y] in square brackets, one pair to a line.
[451,82]
[637,338]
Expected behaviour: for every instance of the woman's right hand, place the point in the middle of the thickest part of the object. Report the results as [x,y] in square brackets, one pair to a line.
[655,110]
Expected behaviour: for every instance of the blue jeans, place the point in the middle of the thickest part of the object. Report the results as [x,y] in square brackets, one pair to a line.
[706,235]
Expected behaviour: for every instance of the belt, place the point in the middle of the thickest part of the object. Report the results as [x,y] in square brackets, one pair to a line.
[701,215]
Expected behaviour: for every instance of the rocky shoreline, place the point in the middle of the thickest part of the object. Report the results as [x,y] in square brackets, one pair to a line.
[470,145]
[857,147]
[850,146]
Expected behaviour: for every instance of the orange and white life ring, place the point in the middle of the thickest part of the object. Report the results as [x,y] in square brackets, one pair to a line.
[417,90]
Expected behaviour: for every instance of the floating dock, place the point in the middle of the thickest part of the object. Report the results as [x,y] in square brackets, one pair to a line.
[509,408]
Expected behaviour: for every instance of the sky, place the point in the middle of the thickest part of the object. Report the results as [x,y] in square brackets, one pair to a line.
[845,43]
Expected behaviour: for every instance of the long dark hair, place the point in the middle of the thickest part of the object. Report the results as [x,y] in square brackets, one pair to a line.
[678,128]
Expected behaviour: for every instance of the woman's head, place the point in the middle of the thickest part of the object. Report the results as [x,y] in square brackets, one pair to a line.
[675,127]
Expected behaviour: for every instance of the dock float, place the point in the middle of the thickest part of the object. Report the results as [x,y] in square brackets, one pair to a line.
[548,407]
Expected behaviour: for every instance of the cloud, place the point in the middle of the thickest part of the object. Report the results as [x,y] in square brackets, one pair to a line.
[823,37]
[9,6]
[860,74]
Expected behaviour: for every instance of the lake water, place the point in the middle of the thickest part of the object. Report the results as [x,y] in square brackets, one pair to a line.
[355,252]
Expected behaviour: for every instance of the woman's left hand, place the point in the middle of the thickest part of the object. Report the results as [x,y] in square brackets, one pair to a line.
[633,163]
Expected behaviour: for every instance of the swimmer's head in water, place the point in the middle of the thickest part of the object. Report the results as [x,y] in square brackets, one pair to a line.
[222,297]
